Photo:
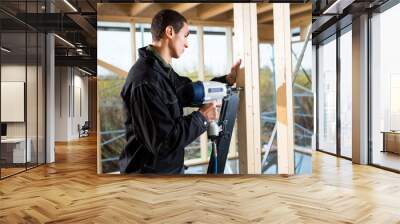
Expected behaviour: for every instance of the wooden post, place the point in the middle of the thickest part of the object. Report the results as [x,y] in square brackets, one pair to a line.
[200,68]
[133,42]
[284,101]
[246,48]
[229,48]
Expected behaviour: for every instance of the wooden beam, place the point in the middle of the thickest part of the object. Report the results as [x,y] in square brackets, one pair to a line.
[246,48]
[266,18]
[303,9]
[303,19]
[200,67]
[264,7]
[133,42]
[229,54]
[283,79]
[194,22]
[300,8]
[183,7]
[138,8]
[119,72]
[210,10]
[266,33]
[303,32]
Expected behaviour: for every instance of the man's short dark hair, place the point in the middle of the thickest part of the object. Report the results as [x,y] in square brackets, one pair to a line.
[164,18]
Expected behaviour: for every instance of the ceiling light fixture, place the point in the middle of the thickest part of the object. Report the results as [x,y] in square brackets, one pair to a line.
[86,72]
[5,50]
[65,41]
[70,5]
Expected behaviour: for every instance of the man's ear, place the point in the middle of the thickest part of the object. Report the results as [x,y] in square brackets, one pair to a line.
[169,31]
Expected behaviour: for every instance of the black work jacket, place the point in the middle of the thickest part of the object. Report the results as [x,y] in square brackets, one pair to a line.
[156,130]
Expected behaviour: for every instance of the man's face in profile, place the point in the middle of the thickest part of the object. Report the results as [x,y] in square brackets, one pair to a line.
[179,41]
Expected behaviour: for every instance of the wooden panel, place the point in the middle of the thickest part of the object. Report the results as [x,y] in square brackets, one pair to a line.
[183,7]
[133,42]
[208,11]
[264,7]
[200,68]
[246,48]
[283,79]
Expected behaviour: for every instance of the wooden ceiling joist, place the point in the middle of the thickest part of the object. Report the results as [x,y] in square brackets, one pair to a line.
[128,19]
[300,8]
[264,7]
[183,7]
[302,19]
[266,18]
[295,9]
[213,14]
[139,8]
[210,10]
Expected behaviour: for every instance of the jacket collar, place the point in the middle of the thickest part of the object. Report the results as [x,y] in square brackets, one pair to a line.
[151,49]
[148,53]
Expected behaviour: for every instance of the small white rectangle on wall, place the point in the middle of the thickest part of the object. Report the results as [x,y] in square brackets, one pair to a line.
[12,101]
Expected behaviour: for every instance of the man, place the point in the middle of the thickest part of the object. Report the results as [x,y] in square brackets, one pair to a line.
[154,97]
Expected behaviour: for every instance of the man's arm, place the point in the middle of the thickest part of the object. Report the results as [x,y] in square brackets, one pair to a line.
[155,125]
[184,89]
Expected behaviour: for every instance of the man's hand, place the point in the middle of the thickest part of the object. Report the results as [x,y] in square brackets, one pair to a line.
[209,111]
[231,77]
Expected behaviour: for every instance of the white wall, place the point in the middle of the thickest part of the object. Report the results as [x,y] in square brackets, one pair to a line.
[71,93]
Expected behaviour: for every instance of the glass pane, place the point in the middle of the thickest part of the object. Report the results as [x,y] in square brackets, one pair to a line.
[112,130]
[385,83]
[13,85]
[327,97]
[346,94]
[119,52]
[143,35]
[268,109]
[302,107]
[215,61]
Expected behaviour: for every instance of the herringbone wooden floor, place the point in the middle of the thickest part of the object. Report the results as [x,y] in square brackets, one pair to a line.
[70,191]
